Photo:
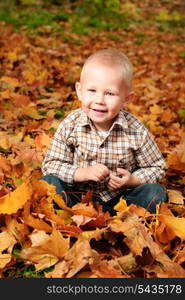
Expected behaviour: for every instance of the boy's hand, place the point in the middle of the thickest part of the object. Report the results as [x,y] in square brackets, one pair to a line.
[127,179]
[95,173]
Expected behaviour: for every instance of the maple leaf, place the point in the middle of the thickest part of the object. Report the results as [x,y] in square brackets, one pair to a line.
[121,205]
[4,143]
[69,230]
[11,81]
[5,165]
[15,200]
[175,196]
[31,112]
[139,238]
[127,263]
[42,141]
[106,269]
[18,230]
[46,249]
[176,159]
[74,260]
[7,242]
[19,100]
[174,224]
[84,209]
[81,220]
[5,259]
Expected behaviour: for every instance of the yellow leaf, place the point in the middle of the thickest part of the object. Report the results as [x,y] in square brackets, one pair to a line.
[7,241]
[36,223]
[5,94]
[121,205]
[29,77]
[15,200]
[4,164]
[175,224]
[11,80]
[175,197]
[42,141]
[84,209]
[156,109]
[4,142]
[46,249]
[85,274]
[12,56]
[31,112]
[4,260]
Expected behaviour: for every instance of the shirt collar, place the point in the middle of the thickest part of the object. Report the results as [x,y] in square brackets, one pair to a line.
[120,120]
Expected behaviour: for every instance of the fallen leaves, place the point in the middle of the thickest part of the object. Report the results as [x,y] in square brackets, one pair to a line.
[45,249]
[85,241]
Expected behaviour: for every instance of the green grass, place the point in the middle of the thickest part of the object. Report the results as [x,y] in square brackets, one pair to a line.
[84,17]
[32,19]
[22,271]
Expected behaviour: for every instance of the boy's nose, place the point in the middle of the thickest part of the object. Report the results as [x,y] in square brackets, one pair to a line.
[99,99]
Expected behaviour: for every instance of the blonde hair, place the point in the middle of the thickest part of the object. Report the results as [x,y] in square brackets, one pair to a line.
[113,57]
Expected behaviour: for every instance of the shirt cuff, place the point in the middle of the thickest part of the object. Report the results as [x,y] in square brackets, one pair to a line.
[146,176]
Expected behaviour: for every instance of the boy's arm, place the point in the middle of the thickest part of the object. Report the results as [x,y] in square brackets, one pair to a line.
[149,159]
[59,157]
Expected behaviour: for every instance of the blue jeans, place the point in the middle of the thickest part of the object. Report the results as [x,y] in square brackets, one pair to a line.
[146,195]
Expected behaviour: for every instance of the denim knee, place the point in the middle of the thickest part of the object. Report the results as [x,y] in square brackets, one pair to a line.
[155,192]
[54,180]
[147,195]
[63,188]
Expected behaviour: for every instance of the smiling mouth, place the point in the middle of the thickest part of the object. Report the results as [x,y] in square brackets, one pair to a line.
[99,110]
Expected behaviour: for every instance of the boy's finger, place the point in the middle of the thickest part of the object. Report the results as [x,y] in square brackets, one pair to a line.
[111,186]
[122,171]
[116,179]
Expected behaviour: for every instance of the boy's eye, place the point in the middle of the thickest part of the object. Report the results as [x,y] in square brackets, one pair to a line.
[92,90]
[110,94]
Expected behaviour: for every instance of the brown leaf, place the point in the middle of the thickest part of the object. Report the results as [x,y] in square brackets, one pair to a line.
[75,259]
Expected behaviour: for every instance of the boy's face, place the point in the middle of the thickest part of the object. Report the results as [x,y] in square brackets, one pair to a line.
[103,93]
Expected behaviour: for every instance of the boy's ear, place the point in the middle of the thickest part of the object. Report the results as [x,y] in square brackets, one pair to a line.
[128,98]
[78,90]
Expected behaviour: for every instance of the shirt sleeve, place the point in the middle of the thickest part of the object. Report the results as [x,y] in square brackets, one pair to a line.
[59,157]
[151,166]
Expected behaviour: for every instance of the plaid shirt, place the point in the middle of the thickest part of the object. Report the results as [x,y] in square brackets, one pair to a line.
[128,145]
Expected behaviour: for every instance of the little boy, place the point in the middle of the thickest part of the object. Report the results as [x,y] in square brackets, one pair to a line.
[103,148]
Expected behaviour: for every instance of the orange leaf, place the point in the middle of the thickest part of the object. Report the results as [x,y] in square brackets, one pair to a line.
[84,209]
[46,249]
[11,80]
[4,260]
[175,224]
[42,141]
[15,200]
[4,164]
[121,205]
[175,197]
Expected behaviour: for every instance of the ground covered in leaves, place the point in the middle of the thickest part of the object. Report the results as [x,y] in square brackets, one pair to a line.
[39,235]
